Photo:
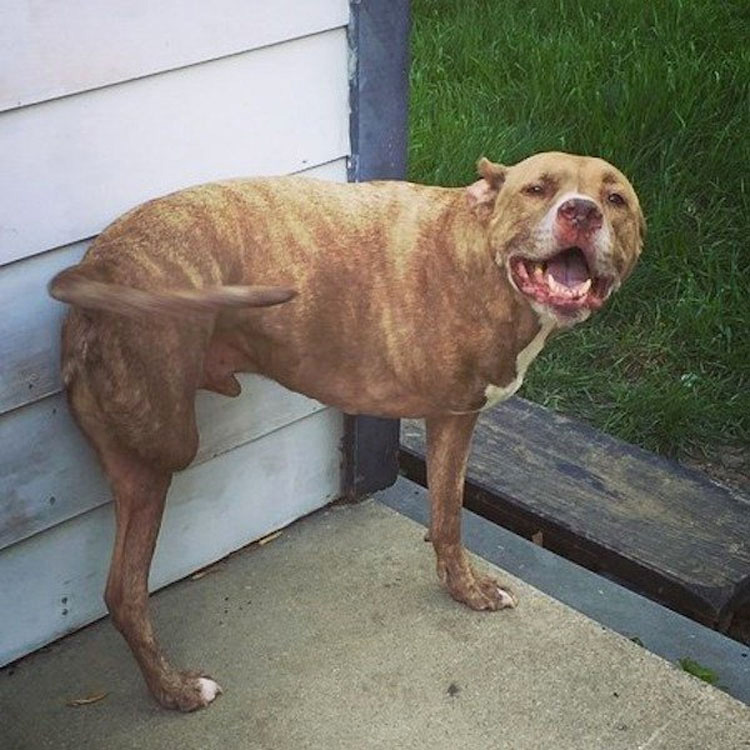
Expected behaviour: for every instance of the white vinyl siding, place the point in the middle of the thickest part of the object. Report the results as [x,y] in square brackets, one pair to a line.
[104,105]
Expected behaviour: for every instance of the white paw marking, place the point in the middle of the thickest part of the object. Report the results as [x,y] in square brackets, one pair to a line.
[506,599]
[209,689]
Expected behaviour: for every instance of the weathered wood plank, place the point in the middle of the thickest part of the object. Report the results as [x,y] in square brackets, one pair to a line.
[49,473]
[84,159]
[52,583]
[667,531]
[50,49]
[30,320]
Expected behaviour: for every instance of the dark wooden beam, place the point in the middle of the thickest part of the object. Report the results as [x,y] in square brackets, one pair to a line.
[378,97]
[378,89]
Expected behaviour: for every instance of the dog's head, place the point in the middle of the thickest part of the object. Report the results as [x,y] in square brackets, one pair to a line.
[566,229]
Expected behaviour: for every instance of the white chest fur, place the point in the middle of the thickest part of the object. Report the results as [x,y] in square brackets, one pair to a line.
[495,393]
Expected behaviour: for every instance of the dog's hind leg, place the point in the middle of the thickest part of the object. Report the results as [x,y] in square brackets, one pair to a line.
[140,492]
[448,443]
[131,388]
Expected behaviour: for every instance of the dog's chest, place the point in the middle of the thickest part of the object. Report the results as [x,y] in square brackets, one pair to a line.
[494,394]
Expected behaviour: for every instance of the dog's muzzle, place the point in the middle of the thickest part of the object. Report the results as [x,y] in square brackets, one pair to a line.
[566,278]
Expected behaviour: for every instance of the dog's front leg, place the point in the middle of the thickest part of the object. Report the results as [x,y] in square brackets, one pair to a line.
[448,442]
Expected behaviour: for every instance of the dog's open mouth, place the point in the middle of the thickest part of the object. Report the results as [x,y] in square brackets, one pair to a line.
[562,281]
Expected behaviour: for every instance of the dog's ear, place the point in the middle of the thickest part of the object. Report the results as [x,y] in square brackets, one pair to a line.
[481,195]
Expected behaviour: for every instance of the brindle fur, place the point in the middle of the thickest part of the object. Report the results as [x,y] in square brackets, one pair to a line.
[403,308]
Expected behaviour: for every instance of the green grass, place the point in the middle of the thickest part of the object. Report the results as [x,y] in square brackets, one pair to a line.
[662,90]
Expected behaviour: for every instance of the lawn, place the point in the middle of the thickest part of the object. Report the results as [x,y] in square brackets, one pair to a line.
[662,90]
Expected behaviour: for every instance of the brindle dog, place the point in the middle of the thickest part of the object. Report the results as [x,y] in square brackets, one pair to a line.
[383,298]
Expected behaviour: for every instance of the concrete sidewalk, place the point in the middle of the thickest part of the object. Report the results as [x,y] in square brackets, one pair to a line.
[337,635]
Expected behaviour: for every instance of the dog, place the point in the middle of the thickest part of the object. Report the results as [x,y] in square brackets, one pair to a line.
[383,298]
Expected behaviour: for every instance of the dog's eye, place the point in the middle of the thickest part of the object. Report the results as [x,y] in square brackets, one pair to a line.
[616,199]
[534,189]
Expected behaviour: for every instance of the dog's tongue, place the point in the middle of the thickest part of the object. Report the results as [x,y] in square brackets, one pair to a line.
[568,267]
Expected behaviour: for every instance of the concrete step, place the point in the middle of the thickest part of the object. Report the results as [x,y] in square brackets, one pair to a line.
[338,635]
[660,630]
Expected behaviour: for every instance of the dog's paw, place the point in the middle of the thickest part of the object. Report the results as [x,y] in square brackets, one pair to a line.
[475,590]
[494,596]
[483,593]
[187,691]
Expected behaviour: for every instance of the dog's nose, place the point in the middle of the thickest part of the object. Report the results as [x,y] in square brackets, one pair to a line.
[582,213]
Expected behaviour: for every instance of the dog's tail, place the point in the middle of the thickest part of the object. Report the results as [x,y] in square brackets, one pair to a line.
[76,287]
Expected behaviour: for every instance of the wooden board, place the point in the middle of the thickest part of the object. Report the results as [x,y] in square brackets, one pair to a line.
[52,583]
[30,320]
[71,165]
[49,473]
[664,530]
[50,49]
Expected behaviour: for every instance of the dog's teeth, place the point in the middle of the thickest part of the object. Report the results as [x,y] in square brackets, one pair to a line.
[582,289]
[554,285]
[538,273]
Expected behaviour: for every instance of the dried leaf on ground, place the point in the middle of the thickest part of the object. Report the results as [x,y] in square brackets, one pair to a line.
[88,700]
[269,538]
[204,572]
